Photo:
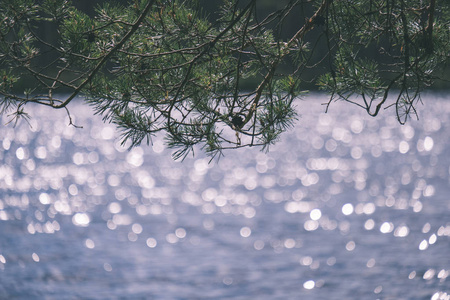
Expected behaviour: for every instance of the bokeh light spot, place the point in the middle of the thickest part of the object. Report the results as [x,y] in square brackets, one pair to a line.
[347,209]
[245,232]
[309,285]
[81,219]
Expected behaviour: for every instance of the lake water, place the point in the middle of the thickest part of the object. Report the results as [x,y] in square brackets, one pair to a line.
[345,206]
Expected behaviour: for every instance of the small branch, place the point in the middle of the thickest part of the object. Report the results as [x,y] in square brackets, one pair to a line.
[283,52]
[108,55]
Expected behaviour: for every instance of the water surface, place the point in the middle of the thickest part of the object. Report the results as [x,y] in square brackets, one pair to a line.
[345,206]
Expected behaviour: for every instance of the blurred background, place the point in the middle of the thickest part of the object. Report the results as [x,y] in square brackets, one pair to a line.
[345,206]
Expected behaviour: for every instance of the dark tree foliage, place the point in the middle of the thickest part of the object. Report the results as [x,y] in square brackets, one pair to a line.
[155,66]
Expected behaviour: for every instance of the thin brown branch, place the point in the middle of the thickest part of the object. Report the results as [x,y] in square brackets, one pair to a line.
[119,45]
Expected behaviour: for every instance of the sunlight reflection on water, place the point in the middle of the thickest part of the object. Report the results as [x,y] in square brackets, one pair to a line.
[343,203]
